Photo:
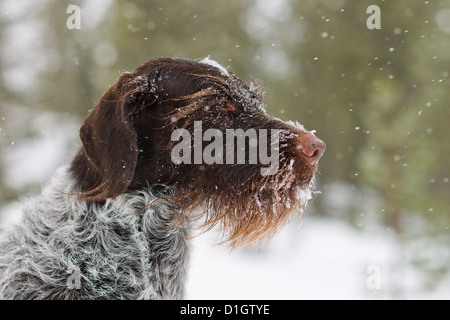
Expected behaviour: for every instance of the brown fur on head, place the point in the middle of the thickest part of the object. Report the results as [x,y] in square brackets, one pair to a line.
[127,146]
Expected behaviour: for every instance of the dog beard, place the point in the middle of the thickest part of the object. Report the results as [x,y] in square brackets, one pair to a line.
[251,213]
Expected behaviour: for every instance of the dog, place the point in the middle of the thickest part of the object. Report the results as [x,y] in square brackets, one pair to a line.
[172,144]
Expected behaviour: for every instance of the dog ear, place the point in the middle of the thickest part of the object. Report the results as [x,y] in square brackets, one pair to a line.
[109,137]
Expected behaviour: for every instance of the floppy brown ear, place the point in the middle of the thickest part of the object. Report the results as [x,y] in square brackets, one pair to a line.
[109,139]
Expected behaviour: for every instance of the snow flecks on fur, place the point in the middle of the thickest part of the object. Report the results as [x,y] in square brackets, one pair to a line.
[296,124]
[250,98]
[303,195]
[215,64]
[254,214]
[123,249]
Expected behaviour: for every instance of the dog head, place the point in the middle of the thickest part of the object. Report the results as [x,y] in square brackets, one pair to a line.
[199,128]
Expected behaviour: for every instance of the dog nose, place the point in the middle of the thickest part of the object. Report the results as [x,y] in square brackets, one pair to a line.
[312,147]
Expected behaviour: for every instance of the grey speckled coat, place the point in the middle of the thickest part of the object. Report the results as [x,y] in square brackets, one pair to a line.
[68,249]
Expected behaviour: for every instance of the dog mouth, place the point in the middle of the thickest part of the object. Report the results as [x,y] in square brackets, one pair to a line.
[266,206]
[253,198]
[293,186]
[252,213]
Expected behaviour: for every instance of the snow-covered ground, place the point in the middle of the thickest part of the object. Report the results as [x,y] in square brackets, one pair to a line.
[323,259]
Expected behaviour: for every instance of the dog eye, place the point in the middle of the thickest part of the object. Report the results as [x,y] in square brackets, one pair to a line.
[228,106]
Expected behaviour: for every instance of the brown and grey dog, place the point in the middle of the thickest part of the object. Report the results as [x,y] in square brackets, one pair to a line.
[173,142]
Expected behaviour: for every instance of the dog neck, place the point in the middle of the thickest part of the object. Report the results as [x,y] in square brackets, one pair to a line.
[131,244]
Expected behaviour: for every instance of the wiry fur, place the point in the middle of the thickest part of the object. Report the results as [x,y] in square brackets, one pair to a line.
[118,215]
[121,251]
